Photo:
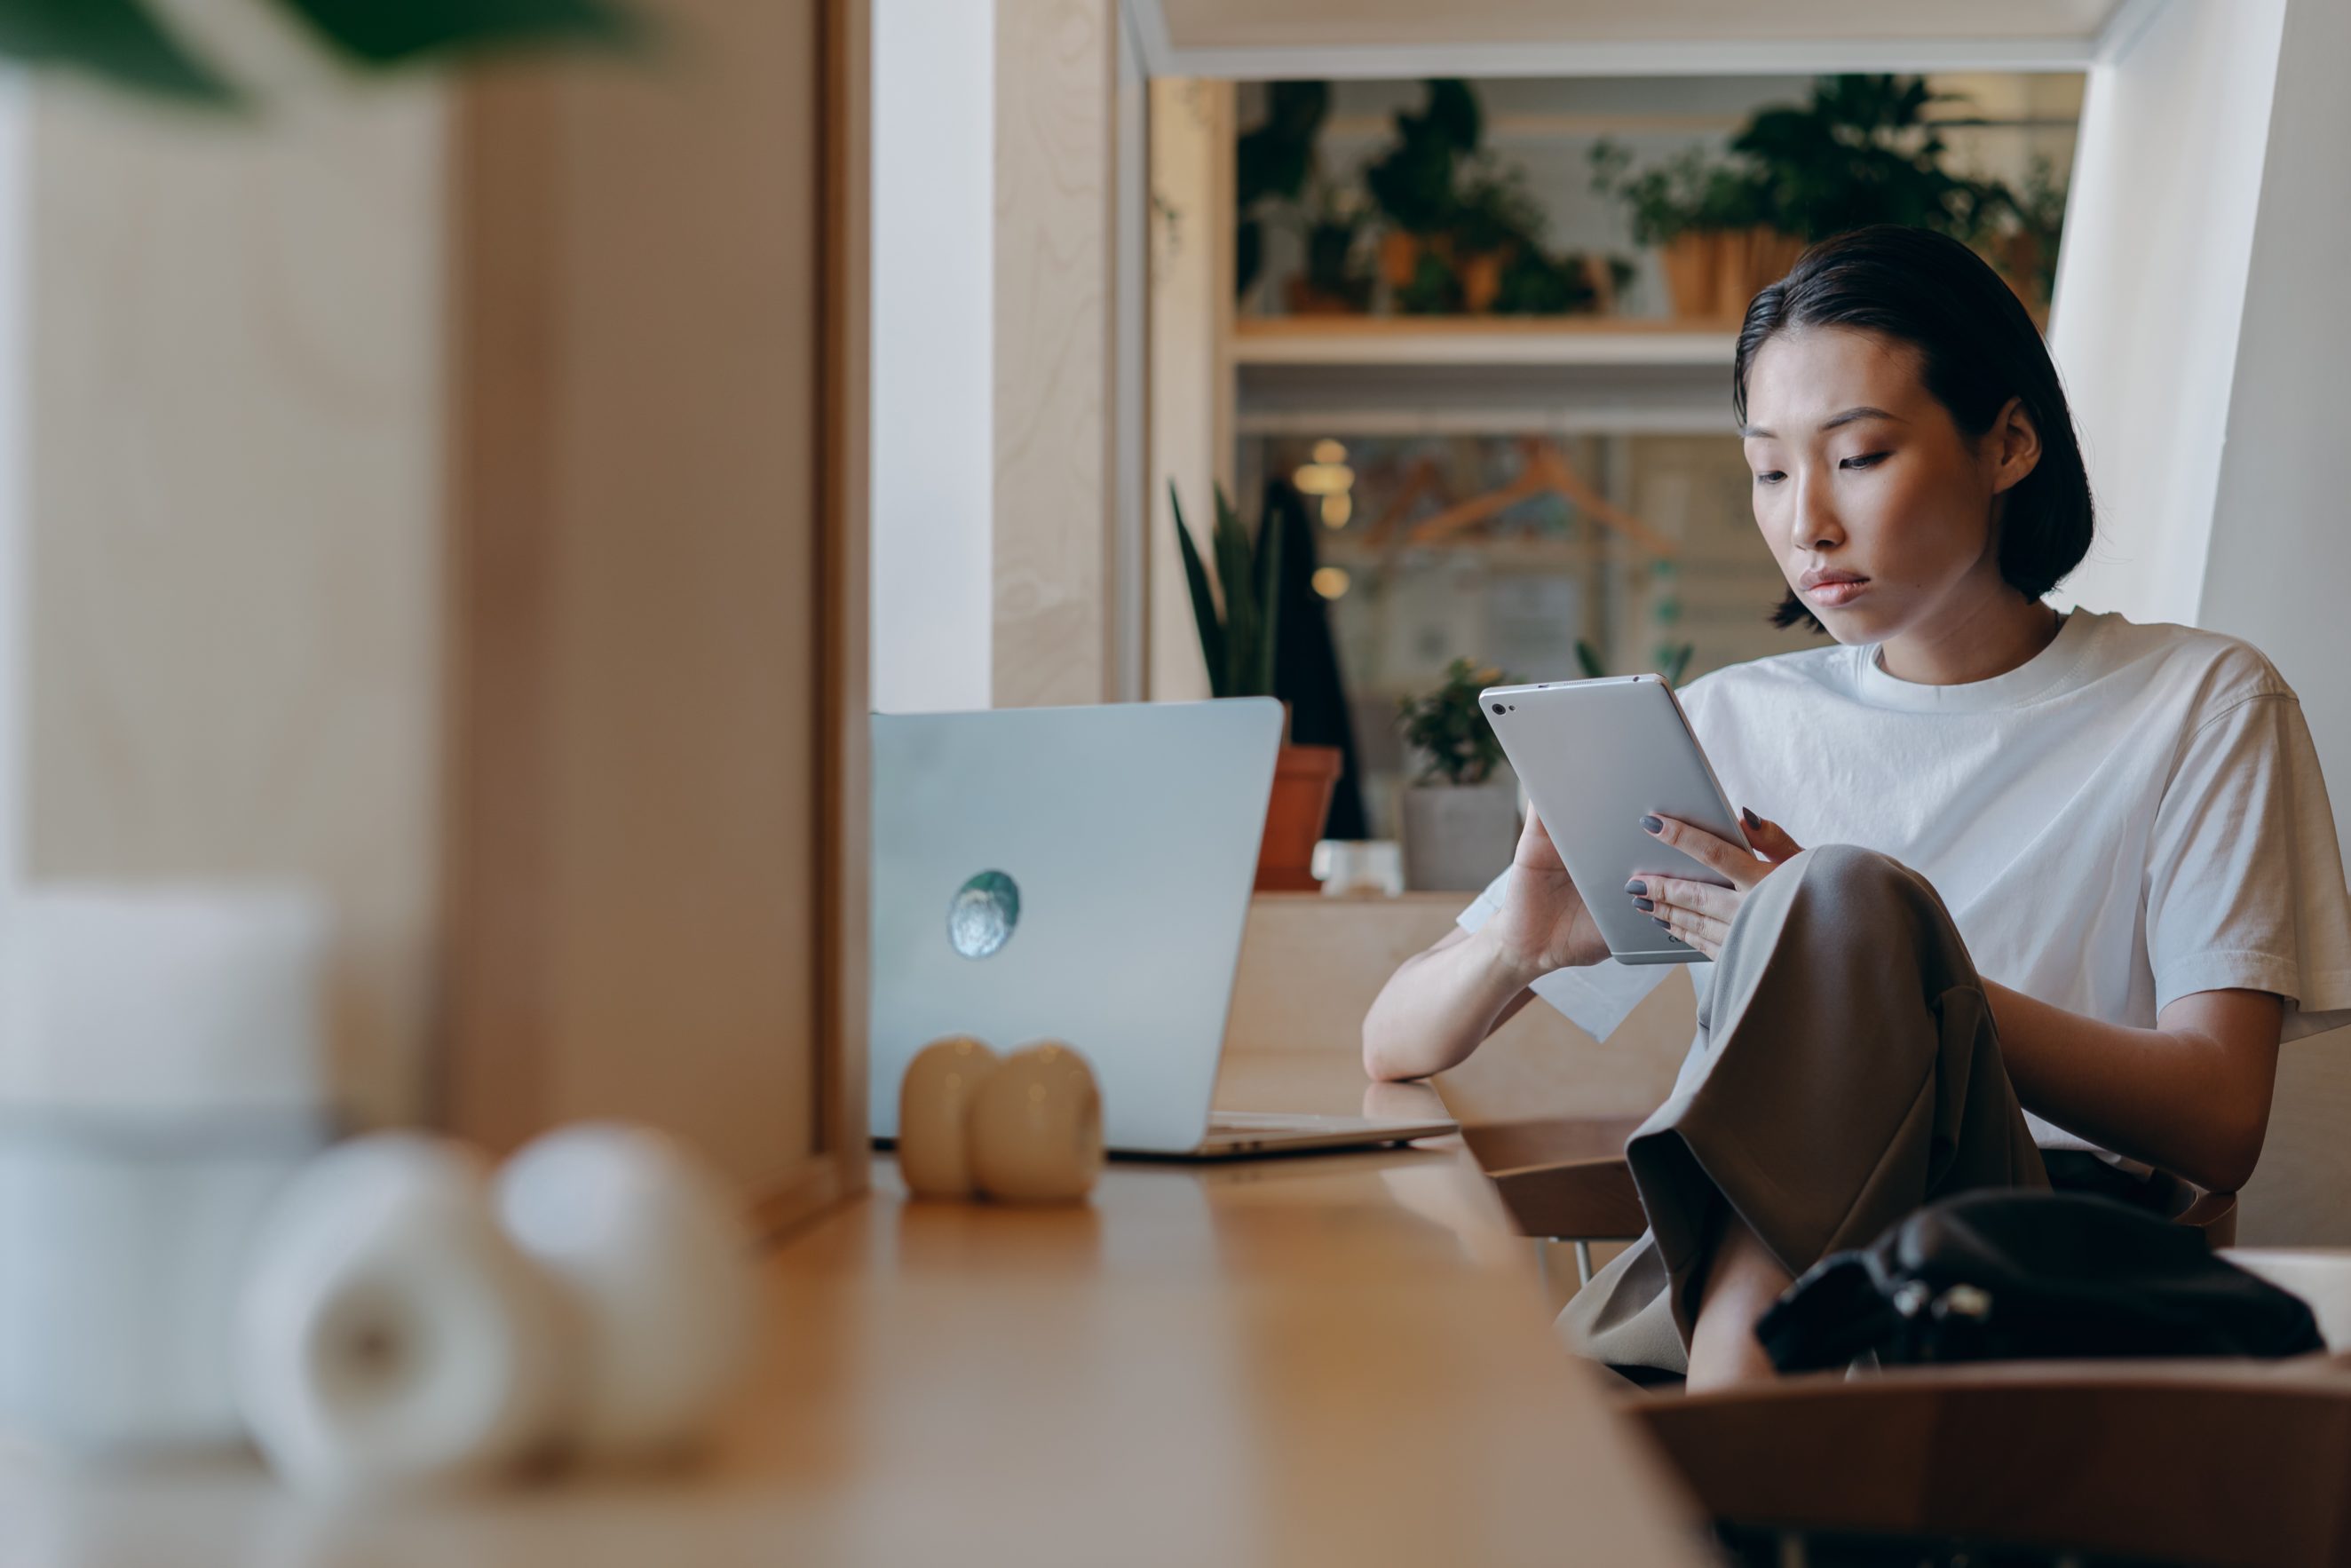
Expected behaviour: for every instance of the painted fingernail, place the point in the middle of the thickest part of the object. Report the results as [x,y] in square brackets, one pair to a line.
[1665,924]
[1643,903]
[1637,886]
[1749,818]
[1652,824]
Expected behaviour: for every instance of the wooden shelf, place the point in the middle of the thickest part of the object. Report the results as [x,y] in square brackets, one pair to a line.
[1565,341]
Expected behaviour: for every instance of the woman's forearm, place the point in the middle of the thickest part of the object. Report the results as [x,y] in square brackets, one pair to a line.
[2190,1096]
[1439,1006]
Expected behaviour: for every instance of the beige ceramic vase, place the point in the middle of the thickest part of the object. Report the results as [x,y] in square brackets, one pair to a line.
[1036,1127]
[934,1103]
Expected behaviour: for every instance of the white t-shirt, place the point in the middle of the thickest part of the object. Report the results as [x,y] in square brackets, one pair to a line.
[2134,814]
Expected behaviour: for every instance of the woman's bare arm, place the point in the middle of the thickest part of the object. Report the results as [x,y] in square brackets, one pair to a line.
[2190,1096]
[1440,1005]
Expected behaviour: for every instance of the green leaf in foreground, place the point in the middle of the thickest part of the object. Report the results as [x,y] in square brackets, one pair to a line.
[385,33]
[117,41]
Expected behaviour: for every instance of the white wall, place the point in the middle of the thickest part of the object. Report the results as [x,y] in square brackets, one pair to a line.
[2151,289]
[933,366]
[2204,332]
[2278,571]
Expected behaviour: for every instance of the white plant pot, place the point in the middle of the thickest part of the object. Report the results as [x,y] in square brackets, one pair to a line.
[1456,840]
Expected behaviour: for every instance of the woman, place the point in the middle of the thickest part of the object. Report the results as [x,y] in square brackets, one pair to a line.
[2073,878]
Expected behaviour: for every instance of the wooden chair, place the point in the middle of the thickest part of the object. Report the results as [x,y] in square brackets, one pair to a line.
[2180,1462]
[1562,1179]
[1565,1179]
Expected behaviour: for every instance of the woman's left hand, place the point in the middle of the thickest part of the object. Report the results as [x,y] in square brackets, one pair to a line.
[1698,912]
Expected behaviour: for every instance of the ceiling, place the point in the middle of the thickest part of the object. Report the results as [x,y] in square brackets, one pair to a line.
[1262,39]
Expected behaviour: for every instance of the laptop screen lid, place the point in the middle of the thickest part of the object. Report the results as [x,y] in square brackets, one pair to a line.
[1073,874]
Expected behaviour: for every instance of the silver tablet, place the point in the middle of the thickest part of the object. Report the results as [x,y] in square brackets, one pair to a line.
[1595,757]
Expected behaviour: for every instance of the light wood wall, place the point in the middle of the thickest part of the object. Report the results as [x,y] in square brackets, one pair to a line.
[657,696]
[1055,510]
[1190,442]
[230,386]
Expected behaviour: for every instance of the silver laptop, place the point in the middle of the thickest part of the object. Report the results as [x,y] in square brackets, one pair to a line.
[1082,874]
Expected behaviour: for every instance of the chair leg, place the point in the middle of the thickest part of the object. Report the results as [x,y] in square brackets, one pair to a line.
[1582,1263]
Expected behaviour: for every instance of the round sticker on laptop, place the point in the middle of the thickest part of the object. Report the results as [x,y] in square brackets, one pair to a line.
[981,918]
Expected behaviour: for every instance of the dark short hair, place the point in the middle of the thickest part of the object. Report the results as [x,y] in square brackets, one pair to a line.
[1976,349]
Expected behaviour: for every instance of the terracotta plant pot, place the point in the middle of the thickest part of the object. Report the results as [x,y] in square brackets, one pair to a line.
[1482,281]
[1690,260]
[1748,260]
[1400,256]
[1304,299]
[2017,259]
[1303,781]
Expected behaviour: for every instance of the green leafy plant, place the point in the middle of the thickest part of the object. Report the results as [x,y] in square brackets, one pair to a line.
[125,43]
[1472,215]
[1693,190]
[2023,227]
[1272,162]
[1447,727]
[1494,210]
[1237,645]
[1414,182]
[1672,660]
[1861,151]
[1333,221]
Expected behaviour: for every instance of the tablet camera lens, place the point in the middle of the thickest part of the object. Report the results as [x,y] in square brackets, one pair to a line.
[1498,707]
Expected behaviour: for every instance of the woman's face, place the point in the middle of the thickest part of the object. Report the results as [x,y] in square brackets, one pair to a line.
[1879,508]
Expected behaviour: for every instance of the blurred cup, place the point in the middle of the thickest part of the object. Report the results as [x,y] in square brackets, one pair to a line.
[1359,866]
[162,1072]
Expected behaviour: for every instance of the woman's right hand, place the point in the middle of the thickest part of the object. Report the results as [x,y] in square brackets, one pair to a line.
[1543,924]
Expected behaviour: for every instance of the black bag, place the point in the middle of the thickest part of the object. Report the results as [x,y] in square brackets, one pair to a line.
[2007,1274]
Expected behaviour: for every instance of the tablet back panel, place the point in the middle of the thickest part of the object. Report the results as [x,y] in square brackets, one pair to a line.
[1595,757]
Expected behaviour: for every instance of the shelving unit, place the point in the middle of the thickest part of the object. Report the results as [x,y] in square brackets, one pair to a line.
[1482,342]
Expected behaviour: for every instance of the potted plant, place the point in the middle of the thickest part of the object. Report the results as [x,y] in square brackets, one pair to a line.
[1708,220]
[1459,818]
[1413,185]
[1239,645]
[1332,221]
[1272,165]
[2021,235]
[1860,150]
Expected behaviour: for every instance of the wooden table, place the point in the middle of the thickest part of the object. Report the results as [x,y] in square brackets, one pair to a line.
[1315,1360]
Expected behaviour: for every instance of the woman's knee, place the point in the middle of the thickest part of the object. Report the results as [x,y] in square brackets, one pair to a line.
[1852,874]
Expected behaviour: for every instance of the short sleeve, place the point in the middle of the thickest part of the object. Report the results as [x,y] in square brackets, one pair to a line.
[2245,887]
[1595,999]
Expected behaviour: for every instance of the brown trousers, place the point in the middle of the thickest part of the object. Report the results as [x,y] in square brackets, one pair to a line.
[1847,1072]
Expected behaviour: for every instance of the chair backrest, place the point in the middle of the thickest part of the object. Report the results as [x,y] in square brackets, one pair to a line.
[2199,1462]
[1561,1178]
